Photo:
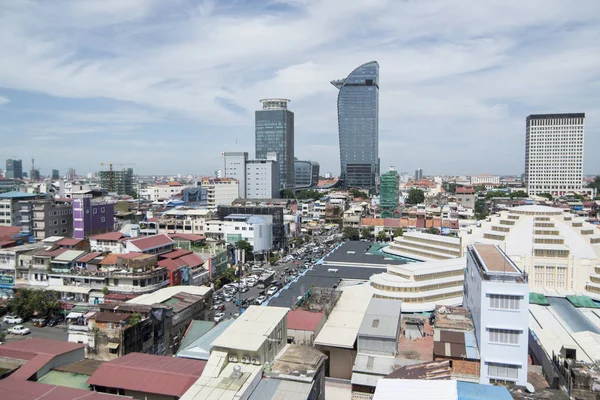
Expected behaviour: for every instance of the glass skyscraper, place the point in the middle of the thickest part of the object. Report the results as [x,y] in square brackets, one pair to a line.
[358,124]
[275,134]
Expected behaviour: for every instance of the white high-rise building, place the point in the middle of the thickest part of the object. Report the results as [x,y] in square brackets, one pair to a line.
[554,153]
[258,179]
[497,294]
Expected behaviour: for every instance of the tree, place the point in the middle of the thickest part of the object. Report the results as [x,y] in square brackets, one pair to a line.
[287,194]
[479,188]
[365,233]
[308,194]
[595,184]
[104,290]
[29,303]
[415,196]
[382,236]
[351,234]
[359,193]
[398,232]
[495,193]
[480,210]
[518,194]
[449,187]
[243,245]
[135,318]
[433,230]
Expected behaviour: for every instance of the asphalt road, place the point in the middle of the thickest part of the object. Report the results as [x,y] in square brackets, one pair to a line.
[47,332]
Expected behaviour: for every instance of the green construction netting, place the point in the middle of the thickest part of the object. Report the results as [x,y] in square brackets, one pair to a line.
[582,301]
[538,298]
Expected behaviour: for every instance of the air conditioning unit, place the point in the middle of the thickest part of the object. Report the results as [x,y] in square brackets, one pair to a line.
[246,359]
[233,358]
[255,361]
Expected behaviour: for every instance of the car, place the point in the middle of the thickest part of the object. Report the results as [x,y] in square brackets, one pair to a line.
[261,299]
[13,319]
[41,322]
[55,320]
[228,299]
[244,289]
[272,290]
[219,317]
[269,270]
[219,307]
[19,330]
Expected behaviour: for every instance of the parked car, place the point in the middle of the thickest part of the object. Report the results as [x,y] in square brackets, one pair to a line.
[55,320]
[244,289]
[219,307]
[19,330]
[228,299]
[219,317]
[41,322]
[261,299]
[272,290]
[13,319]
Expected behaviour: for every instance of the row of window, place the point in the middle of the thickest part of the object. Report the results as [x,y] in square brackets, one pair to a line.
[503,336]
[504,302]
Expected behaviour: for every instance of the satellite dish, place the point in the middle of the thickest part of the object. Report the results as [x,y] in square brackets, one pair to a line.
[529,387]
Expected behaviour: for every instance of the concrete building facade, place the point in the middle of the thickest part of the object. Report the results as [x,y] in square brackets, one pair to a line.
[92,216]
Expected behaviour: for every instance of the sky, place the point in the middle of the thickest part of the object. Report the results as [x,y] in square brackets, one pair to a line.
[168,85]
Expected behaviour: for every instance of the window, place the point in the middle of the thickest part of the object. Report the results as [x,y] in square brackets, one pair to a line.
[504,336]
[375,323]
[504,302]
[63,221]
[63,230]
[503,371]
[370,362]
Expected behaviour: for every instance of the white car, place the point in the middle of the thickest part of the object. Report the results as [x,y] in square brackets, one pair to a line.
[272,290]
[13,319]
[219,317]
[261,299]
[269,271]
[19,330]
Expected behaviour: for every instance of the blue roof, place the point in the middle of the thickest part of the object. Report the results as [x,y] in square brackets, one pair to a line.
[16,195]
[476,391]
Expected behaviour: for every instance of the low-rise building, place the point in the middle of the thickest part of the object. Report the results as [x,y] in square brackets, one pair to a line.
[92,216]
[112,242]
[220,191]
[10,210]
[304,326]
[44,218]
[156,244]
[184,220]
[254,229]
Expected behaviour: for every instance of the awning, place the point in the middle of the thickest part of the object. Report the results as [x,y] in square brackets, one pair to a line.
[113,346]
[74,315]
[69,289]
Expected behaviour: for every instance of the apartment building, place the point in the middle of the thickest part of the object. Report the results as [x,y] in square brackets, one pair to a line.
[257,179]
[554,145]
[275,212]
[220,191]
[44,218]
[183,220]
[92,216]
[497,294]
[485,179]
[115,181]
[256,230]
[162,192]
[10,210]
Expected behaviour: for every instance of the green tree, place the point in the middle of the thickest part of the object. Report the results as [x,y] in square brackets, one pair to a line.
[449,187]
[479,188]
[415,196]
[2,336]
[104,290]
[243,245]
[308,194]
[28,303]
[518,194]
[480,210]
[366,233]
[135,318]
[433,230]
[595,184]
[495,193]
[382,236]
[351,233]
[398,232]
[359,193]
[546,195]
[287,194]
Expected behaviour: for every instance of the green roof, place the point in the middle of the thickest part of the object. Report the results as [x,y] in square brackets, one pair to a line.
[582,301]
[17,195]
[196,330]
[66,379]
[538,298]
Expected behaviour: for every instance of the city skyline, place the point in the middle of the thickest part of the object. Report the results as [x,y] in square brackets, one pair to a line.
[170,86]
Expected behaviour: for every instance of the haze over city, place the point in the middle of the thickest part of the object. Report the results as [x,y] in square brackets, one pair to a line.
[169,85]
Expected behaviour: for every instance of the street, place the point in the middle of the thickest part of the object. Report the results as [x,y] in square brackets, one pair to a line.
[47,332]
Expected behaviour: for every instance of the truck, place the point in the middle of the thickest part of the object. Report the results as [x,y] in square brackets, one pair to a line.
[265,280]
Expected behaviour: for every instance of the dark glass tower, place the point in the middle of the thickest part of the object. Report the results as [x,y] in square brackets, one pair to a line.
[275,134]
[358,124]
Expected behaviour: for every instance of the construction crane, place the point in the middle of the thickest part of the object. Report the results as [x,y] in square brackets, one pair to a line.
[110,176]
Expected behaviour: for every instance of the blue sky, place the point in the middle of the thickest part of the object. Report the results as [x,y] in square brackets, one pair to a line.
[170,84]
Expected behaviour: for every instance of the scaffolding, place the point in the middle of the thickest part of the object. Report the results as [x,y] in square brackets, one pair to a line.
[389,193]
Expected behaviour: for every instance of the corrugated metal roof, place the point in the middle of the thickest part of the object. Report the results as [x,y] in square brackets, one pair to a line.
[196,330]
[41,346]
[475,391]
[148,373]
[16,389]
[110,236]
[382,318]
[365,379]
[276,389]
[150,242]
[89,257]
[199,349]
[374,364]
[69,255]
[176,253]
[303,320]
[415,389]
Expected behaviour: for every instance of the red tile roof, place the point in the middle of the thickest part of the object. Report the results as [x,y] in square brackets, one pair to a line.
[172,265]
[9,232]
[110,317]
[69,242]
[54,253]
[176,253]
[187,236]
[192,260]
[113,236]
[109,259]
[89,257]
[16,389]
[147,373]
[150,242]
[465,190]
[304,320]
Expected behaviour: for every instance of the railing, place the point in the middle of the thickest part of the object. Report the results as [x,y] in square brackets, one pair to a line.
[362,396]
[138,289]
[78,328]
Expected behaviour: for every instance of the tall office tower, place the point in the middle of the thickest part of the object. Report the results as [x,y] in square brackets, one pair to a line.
[275,133]
[554,153]
[55,175]
[418,174]
[71,174]
[14,169]
[358,125]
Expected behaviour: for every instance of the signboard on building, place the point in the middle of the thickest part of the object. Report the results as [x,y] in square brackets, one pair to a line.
[7,280]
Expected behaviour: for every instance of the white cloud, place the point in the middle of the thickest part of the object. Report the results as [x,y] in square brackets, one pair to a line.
[457,78]
[4,100]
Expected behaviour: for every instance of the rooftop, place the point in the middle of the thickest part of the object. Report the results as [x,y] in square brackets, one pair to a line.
[14,389]
[86,366]
[151,242]
[300,362]
[453,318]
[382,318]
[111,317]
[17,195]
[303,320]
[355,252]
[166,293]
[251,328]
[417,389]
[147,373]
[89,257]
[199,346]
[110,236]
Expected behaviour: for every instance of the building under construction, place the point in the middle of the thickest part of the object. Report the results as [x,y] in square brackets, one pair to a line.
[117,181]
[389,193]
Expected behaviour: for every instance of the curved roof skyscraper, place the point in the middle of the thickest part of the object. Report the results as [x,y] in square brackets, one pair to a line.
[358,125]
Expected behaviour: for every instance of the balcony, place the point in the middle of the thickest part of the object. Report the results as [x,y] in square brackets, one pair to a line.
[138,289]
